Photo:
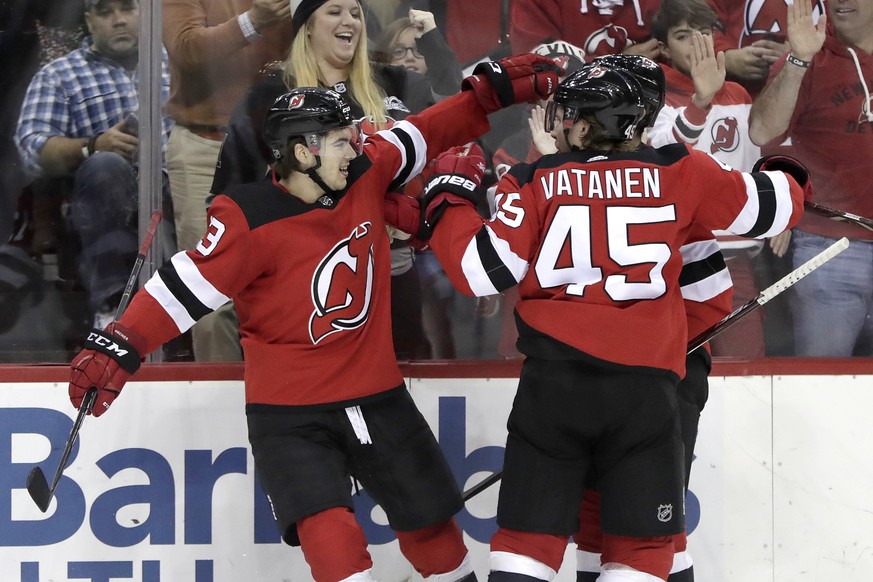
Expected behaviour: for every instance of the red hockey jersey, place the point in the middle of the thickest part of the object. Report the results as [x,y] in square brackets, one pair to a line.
[599,27]
[593,241]
[310,282]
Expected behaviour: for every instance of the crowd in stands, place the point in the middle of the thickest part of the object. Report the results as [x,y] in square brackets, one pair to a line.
[743,79]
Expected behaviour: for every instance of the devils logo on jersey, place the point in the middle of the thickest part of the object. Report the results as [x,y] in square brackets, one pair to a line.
[769,19]
[342,285]
[607,40]
[725,135]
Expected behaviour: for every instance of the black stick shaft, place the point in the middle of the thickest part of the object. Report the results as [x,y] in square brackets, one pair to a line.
[137,265]
[835,214]
[84,408]
[36,480]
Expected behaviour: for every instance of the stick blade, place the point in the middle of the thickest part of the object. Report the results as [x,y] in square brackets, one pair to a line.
[38,487]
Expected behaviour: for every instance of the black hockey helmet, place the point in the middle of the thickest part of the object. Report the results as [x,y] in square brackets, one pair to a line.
[650,76]
[306,112]
[612,96]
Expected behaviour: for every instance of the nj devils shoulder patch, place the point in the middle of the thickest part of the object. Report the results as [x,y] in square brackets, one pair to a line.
[342,285]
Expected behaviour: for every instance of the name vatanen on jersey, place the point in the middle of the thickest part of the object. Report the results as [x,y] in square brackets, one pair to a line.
[610,183]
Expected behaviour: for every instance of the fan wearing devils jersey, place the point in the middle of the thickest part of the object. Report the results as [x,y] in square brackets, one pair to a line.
[306,259]
[592,237]
[712,115]
[599,27]
[753,35]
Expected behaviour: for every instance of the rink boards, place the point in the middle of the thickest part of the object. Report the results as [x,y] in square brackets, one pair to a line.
[162,487]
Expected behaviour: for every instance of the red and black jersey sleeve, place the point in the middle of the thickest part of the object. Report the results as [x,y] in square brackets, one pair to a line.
[402,152]
[194,283]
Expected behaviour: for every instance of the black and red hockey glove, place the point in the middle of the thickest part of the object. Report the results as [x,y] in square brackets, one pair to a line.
[789,165]
[457,179]
[109,358]
[518,79]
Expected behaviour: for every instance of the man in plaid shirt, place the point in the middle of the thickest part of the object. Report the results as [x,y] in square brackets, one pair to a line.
[78,124]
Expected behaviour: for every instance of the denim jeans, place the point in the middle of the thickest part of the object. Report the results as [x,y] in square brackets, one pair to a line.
[104,208]
[831,307]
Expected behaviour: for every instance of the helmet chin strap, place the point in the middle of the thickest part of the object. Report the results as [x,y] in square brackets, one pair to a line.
[313,175]
[312,141]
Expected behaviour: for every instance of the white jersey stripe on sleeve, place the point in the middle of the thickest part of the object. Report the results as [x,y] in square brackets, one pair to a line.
[748,216]
[490,265]
[190,275]
[784,205]
[516,265]
[174,308]
[412,147]
[707,288]
[475,273]
[698,250]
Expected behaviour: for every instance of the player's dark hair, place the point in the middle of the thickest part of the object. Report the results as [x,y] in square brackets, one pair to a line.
[697,14]
[598,139]
[290,163]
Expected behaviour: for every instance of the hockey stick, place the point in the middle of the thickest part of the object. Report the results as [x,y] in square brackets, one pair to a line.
[838,215]
[37,485]
[707,335]
[770,292]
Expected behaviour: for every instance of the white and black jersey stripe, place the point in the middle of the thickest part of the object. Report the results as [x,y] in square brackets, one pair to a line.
[704,273]
[768,207]
[183,292]
[413,151]
[489,264]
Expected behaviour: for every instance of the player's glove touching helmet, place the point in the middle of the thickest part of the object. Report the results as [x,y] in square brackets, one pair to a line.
[518,79]
[109,358]
[457,180]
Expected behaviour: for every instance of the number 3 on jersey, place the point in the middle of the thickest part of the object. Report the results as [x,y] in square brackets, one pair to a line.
[213,235]
[573,223]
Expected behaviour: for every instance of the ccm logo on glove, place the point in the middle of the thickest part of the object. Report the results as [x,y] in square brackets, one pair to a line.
[108,345]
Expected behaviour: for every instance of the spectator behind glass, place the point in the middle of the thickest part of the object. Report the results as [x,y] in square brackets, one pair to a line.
[330,50]
[711,115]
[78,123]
[752,35]
[599,27]
[527,144]
[457,19]
[416,44]
[216,50]
[819,96]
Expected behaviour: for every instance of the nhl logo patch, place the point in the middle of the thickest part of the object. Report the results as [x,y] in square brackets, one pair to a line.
[665,512]
[325,200]
[340,87]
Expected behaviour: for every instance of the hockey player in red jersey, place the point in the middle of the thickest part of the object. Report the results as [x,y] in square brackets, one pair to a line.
[592,236]
[306,260]
[706,290]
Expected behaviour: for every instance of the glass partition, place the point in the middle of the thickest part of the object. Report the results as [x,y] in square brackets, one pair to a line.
[113,109]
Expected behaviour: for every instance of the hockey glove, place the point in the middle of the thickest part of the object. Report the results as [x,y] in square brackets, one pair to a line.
[790,166]
[110,357]
[456,180]
[403,216]
[402,212]
[518,79]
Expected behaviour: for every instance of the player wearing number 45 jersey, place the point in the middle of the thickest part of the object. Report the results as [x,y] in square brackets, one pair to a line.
[592,237]
[306,259]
